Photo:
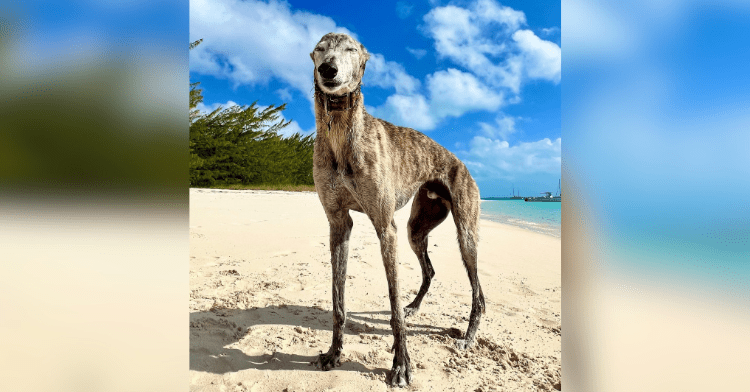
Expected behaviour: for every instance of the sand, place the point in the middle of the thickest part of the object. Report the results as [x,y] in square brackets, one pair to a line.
[260,302]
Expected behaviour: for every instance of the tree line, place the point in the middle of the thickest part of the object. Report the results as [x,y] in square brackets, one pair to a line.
[241,144]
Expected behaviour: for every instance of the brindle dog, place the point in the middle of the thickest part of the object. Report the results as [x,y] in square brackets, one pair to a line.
[368,165]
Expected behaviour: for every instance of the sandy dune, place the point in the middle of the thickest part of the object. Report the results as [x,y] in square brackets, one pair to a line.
[260,301]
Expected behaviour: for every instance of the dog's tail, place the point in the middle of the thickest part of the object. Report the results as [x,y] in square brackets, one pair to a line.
[465,208]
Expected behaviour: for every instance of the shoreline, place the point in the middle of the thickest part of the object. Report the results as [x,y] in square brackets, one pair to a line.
[260,300]
[556,230]
[530,220]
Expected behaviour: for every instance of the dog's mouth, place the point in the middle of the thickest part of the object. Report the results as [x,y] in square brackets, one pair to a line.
[330,84]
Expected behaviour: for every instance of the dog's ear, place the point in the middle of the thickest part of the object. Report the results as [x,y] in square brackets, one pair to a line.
[365,57]
[366,53]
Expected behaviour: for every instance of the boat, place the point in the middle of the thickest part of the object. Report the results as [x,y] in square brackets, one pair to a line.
[547,196]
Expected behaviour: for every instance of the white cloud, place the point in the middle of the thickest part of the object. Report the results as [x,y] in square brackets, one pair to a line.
[406,110]
[252,42]
[490,11]
[543,59]
[388,74]
[491,157]
[453,29]
[453,93]
[418,53]
[240,54]
[284,94]
[551,30]
[481,38]
[504,126]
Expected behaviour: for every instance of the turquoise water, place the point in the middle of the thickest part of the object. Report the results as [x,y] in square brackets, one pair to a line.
[539,217]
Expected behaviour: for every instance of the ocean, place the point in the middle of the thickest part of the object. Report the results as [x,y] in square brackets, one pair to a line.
[540,217]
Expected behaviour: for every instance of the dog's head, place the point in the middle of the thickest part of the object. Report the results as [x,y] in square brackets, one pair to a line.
[339,63]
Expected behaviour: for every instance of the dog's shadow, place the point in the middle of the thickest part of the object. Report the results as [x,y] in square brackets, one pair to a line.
[213,333]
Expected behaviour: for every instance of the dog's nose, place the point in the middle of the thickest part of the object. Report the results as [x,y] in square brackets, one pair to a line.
[327,71]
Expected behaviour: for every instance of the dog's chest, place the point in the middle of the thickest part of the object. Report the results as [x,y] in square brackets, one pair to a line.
[346,162]
[338,135]
[352,163]
[353,150]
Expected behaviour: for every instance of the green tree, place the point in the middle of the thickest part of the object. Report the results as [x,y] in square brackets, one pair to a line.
[238,144]
[241,144]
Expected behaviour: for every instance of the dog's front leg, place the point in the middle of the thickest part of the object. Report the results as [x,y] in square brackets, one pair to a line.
[341,227]
[401,371]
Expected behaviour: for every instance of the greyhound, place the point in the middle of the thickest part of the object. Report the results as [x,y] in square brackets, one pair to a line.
[369,165]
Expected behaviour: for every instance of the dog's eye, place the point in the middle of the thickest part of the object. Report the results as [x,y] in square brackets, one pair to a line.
[351,49]
[319,49]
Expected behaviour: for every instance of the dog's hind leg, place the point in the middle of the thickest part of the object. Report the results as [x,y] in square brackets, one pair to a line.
[340,229]
[465,208]
[427,211]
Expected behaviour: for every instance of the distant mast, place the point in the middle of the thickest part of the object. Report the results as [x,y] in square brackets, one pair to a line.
[514,196]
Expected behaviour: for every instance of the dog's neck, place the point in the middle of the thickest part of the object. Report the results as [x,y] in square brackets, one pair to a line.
[337,115]
[330,102]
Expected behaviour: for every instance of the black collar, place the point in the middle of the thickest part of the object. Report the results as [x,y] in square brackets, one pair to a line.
[332,102]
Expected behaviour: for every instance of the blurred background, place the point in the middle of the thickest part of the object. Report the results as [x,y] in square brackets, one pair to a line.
[656,173]
[94,196]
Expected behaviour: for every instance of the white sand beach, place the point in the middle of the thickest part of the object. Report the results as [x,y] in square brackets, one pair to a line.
[260,302]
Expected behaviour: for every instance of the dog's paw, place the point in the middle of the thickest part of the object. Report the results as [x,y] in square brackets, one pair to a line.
[327,361]
[400,375]
[410,311]
[463,344]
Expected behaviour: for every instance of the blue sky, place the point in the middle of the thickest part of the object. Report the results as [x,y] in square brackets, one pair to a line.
[480,77]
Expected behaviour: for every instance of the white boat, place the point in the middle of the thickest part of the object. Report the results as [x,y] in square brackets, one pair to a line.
[547,196]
